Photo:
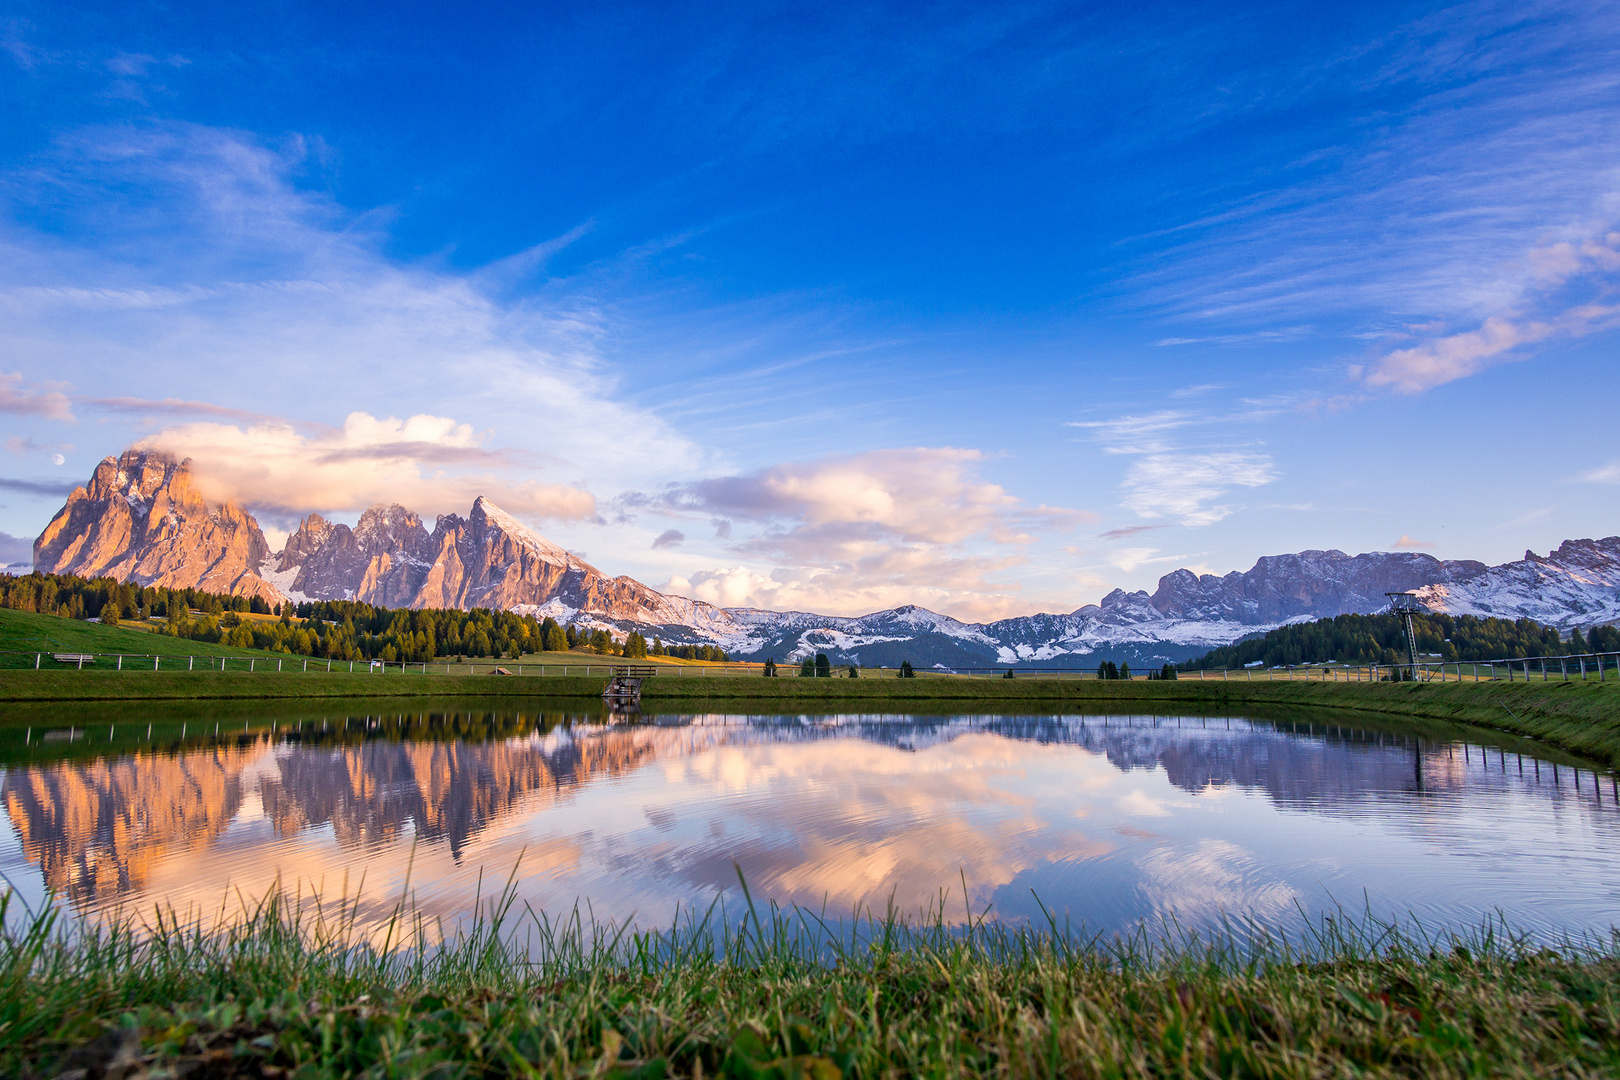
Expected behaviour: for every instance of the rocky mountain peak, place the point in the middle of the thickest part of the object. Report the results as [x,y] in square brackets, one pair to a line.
[141,518]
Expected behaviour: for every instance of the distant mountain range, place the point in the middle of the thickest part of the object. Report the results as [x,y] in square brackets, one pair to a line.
[141,518]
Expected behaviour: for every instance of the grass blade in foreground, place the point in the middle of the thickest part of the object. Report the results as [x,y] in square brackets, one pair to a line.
[285,993]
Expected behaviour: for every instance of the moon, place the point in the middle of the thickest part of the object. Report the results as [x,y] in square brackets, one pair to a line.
[57,459]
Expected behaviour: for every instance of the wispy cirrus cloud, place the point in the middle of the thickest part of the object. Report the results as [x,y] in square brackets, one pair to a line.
[1588,263]
[215,257]
[24,399]
[1171,480]
[45,488]
[1468,225]
[170,407]
[1128,531]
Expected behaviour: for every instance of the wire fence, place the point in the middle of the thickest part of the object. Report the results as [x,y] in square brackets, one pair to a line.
[1598,666]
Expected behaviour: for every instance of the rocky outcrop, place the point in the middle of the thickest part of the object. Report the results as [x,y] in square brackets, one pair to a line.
[383,560]
[487,559]
[142,519]
[1576,584]
[1309,583]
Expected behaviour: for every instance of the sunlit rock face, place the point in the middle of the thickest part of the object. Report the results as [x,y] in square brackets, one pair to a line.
[383,560]
[142,519]
[487,559]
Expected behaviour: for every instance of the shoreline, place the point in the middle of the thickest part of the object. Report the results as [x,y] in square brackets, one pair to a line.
[1581,718]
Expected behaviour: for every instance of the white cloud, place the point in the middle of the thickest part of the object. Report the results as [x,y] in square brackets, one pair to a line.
[1605,474]
[1186,486]
[860,532]
[418,462]
[1167,481]
[220,271]
[25,400]
[1456,356]
[1406,543]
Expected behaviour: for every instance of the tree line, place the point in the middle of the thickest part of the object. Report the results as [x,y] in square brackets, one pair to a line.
[1381,639]
[325,629]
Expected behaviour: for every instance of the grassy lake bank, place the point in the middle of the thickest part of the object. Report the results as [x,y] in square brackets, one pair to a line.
[1582,718]
[783,997]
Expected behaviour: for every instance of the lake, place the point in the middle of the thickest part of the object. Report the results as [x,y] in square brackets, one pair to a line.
[1109,822]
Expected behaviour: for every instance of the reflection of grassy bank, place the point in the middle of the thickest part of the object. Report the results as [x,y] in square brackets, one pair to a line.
[1583,718]
[258,686]
[40,732]
[280,998]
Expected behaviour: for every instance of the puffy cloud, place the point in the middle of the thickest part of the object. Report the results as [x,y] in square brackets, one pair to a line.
[23,400]
[1406,543]
[273,466]
[860,532]
[926,495]
[956,584]
[669,538]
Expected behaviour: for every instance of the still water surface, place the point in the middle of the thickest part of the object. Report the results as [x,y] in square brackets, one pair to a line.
[1109,821]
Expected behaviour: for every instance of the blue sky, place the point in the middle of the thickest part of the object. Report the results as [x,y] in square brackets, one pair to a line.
[987,308]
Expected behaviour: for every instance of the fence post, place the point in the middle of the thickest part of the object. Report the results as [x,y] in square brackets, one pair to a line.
[120,661]
[154,663]
[36,661]
[251,661]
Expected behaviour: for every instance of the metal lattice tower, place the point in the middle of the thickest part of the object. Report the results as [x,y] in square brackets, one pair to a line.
[1406,605]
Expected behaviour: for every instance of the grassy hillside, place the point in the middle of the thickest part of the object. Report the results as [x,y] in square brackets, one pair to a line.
[23,634]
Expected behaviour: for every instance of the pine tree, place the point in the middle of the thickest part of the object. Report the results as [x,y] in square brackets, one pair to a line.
[1009,674]
[770,668]
[853,673]
[906,670]
[823,666]
[807,670]
[1125,671]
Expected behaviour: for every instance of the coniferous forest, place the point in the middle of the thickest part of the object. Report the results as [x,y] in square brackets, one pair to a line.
[332,629]
[1381,639]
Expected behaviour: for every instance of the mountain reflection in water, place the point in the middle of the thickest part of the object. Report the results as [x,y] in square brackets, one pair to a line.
[1109,820]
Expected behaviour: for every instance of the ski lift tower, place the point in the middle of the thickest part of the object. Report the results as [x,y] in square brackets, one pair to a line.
[1406,605]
